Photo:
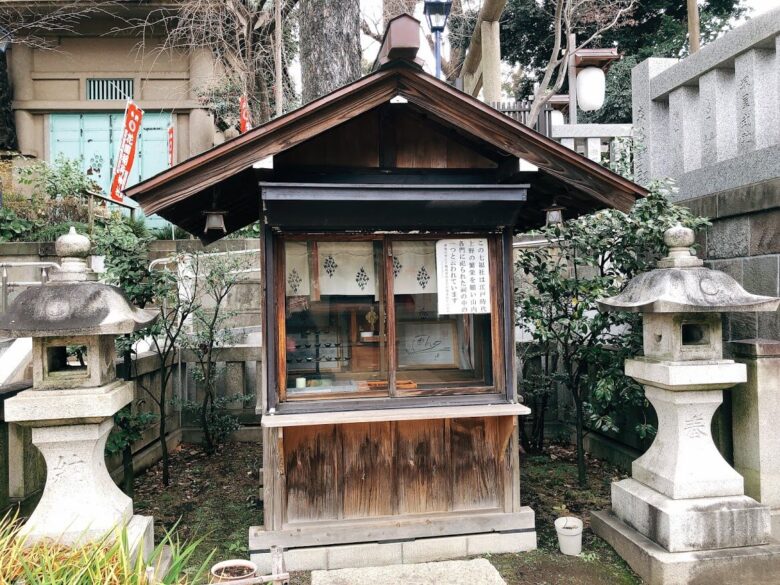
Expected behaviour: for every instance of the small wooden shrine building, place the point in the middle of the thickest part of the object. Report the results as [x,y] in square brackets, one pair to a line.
[390,412]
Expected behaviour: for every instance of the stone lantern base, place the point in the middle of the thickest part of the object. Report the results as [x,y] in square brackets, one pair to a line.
[757,565]
[80,502]
[683,517]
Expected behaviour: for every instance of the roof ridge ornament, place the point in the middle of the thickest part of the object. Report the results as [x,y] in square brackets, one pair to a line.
[679,241]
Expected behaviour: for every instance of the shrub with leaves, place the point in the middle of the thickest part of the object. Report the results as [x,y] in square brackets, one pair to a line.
[587,259]
[129,425]
[14,228]
[216,278]
[59,189]
[125,245]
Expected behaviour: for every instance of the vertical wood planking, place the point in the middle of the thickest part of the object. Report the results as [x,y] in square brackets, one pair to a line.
[507,260]
[508,459]
[496,321]
[476,479]
[368,469]
[269,476]
[422,473]
[280,300]
[311,462]
[390,321]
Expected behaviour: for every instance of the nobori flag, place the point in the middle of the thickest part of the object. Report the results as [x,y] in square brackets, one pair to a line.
[127,148]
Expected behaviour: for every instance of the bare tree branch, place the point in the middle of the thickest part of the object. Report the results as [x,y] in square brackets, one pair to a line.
[571,15]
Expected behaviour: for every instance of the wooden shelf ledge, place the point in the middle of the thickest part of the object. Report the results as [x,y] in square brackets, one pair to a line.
[389,414]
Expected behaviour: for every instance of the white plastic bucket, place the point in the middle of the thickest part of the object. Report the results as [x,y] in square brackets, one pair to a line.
[569,531]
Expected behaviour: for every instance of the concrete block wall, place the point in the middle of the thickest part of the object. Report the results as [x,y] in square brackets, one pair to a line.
[744,242]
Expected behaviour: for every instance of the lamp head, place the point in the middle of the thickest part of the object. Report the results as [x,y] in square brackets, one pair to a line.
[436,13]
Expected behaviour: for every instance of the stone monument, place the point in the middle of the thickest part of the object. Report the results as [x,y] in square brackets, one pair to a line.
[73,399]
[683,517]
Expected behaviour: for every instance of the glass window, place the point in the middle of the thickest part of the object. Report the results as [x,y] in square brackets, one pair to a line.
[441,345]
[335,318]
[339,330]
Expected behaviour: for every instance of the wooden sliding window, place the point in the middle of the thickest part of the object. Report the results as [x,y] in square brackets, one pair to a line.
[361,316]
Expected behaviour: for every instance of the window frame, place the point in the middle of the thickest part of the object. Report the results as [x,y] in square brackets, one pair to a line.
[498,323]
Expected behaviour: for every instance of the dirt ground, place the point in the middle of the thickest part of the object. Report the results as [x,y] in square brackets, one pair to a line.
[216,498]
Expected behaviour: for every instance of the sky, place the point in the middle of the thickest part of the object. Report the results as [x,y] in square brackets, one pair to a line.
[761,6]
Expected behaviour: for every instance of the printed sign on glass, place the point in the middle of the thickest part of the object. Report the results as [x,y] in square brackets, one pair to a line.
[463,275]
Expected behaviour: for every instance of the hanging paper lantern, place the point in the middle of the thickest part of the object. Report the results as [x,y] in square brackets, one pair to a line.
[556,118]
[591,87]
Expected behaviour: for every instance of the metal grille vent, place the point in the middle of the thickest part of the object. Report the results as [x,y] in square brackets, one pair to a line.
[109,89]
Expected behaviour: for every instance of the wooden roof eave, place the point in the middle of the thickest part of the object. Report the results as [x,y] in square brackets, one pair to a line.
[193,176]
[506,133]
[185,179]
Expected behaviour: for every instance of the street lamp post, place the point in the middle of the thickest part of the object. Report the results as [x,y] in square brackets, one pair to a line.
[436,13]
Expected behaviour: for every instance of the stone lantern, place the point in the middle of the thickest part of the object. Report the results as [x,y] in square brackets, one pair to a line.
[73,399]
[683,514]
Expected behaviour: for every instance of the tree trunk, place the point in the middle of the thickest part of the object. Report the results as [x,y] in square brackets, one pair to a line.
[582,477]
[330,45]
[128,472]
[7,125]
[166,471]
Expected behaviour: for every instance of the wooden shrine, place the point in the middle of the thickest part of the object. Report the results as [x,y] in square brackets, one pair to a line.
[388,209]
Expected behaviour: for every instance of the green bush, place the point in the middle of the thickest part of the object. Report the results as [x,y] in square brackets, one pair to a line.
[12,227]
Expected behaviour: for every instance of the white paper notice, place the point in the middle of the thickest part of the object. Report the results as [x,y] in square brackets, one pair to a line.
[463,276]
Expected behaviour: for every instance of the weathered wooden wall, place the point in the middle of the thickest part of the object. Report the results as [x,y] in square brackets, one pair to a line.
[395,136]
[393,468]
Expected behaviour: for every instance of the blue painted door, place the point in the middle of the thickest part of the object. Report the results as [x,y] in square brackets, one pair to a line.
[88,136]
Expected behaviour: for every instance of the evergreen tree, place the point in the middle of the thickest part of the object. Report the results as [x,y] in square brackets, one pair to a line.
[655,28]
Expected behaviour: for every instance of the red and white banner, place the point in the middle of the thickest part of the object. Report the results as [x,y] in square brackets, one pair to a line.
[127,148]
[244,114]
[170,146]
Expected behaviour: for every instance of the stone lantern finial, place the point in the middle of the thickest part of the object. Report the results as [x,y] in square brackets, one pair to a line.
[678,240]
[73,249]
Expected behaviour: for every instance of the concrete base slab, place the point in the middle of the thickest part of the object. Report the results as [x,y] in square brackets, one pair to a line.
[475,572]
[691,524]
[415,550]
[757,565]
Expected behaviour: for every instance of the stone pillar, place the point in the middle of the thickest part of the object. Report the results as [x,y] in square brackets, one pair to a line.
[491,62]
[717,94]
[758,122]
[684,133]
[201,125]
[651,122]
[755,415]
[593,149]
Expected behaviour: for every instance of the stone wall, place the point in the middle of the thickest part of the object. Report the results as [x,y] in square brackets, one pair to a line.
[744,242]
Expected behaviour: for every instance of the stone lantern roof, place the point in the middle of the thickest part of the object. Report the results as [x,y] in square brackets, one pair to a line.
[681,284]
[73,302]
